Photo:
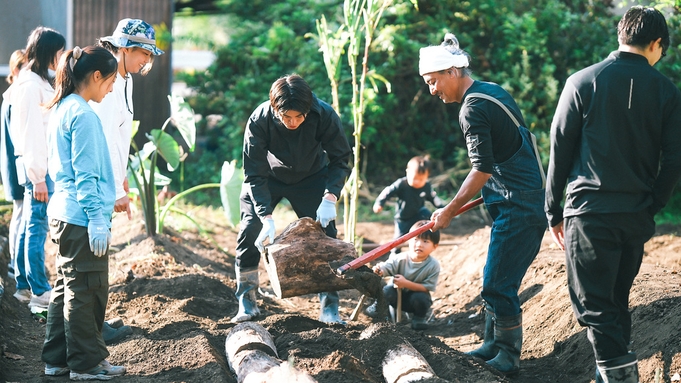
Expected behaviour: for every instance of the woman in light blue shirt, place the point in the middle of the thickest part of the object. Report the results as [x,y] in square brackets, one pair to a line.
[80,217]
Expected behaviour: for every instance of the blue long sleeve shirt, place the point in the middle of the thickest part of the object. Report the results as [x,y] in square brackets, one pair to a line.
[80,165]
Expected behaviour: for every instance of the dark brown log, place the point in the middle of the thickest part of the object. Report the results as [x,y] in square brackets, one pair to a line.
[403,364]
[298,260]
[252,356]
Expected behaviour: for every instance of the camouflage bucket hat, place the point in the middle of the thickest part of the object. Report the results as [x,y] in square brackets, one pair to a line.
[134,33]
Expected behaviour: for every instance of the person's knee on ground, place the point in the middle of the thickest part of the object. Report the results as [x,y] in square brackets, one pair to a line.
[247,283]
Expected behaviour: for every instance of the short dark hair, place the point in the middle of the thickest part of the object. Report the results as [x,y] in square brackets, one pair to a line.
[433,236]
[421,163]
[291,92]
[642,25]
[41,48]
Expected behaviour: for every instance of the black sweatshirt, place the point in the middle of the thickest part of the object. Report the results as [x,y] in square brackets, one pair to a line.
[289,156]
[615,140]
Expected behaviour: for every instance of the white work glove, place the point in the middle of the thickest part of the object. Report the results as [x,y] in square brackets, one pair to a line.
[99,236]
[326,212]
[266,232]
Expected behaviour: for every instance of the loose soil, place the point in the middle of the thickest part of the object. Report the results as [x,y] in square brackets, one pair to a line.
[177,292]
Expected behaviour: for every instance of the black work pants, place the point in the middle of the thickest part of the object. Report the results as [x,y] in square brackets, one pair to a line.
[304,197]
[603,256]
[415,302]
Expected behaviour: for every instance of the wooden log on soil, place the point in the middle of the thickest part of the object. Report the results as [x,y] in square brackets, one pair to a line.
[298,260]
[403,364]
[252,356]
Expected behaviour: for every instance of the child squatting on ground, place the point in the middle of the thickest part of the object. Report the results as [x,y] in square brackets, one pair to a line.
[80,217]
[416,273]
[411,192]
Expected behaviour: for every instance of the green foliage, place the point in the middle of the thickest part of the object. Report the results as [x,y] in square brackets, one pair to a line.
[143,172]
[670,213]
[230,190]
[529,47]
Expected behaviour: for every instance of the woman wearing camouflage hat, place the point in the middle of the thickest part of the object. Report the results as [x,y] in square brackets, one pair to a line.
[133,43]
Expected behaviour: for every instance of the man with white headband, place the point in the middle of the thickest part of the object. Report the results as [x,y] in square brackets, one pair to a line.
[507,171]
[133,43]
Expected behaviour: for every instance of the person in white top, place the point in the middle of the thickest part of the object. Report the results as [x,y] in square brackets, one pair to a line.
[28,131]
[8,168]
[133,43]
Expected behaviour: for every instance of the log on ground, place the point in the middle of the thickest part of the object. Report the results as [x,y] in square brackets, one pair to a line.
[298,261]
[404,364]
[252,356]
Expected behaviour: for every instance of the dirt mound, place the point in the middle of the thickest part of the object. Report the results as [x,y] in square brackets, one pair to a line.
[177,292]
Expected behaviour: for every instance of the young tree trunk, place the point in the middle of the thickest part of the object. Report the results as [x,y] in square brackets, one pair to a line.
[298,261]
[253,357]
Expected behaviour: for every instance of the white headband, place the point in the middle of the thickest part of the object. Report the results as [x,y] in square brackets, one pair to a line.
[436,58]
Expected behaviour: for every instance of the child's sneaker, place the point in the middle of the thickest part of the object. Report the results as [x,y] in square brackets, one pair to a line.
[51,370]
[103,371]
[42,300]
[419,323]
[39,313]
[23,295]
[372,310]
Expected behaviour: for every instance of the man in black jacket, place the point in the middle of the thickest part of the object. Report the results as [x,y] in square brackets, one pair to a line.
[294,148]
[615,144]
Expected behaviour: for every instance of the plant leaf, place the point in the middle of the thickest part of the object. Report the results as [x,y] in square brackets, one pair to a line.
[183,118]
[230,190]
[135,128]
[167,147]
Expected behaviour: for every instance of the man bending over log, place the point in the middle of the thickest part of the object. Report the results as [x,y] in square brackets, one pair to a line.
[294,148]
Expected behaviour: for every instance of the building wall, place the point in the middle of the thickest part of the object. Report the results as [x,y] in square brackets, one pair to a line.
[16,24]
[95,19]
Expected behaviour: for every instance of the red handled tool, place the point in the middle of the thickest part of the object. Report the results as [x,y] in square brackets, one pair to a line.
[379,251]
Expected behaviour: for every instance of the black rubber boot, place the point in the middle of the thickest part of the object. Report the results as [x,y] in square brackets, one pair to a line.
[419,323]
[508,337]
[112,334]
[488,350]
[623,369]
[247,283]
